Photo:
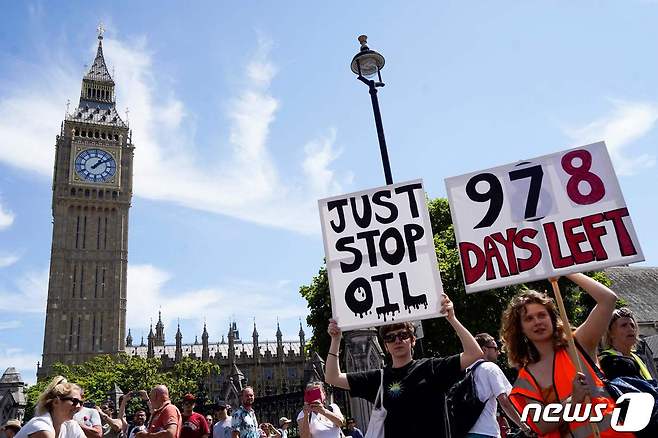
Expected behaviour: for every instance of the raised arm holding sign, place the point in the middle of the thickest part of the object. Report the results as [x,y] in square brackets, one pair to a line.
[381,261]
[559,214]
[382,270]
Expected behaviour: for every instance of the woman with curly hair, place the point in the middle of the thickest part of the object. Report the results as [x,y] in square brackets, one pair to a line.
[55,409]
[535,339]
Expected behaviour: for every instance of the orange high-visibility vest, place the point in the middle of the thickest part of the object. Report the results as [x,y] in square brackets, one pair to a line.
[526,390]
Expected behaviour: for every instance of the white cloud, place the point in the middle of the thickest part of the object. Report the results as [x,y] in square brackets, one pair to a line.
[8,325]
[244,183]
[6,218]
[628,122]
[242,301]
[25,363]
[28,294]
[8,260]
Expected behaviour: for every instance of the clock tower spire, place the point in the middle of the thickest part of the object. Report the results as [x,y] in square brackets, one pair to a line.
[92,191]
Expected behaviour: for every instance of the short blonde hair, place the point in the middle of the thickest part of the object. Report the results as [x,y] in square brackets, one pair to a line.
[623,312]
[58,387]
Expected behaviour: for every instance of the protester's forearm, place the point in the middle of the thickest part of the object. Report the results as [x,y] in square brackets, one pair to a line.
[162,434]
[304,431]
[332,367]
[470,347]
[509,409]
[335,418]
[91,432]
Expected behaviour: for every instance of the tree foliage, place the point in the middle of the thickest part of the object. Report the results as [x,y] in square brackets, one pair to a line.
[98,376]
[479,312]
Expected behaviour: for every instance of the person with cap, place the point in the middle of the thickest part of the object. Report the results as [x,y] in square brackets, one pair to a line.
[222,427]
[11,428]
[194,424]
[284,424]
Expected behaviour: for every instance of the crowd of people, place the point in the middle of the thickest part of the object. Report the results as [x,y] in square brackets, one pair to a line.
[61,412]
[412,391]
[535,340]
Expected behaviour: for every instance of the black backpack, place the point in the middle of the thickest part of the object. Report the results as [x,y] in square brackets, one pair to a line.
[463,407]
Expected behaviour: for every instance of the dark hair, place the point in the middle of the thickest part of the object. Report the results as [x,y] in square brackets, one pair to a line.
[483,339]
[408,326]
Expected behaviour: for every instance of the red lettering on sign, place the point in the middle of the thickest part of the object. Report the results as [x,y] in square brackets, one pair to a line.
[508,242]
[472,273]
[626,246]
[554,247]
[535,252]
[594,235]
[491,252]
[574,239]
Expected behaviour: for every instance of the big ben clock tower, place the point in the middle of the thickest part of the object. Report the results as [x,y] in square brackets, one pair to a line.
[92,189]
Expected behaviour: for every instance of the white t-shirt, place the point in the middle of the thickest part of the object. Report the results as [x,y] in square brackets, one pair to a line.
[89,417]
[490,382]
[222,429]
[320,426]
[69,429]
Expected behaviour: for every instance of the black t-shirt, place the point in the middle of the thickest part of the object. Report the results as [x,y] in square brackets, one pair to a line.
[413,394]
[616,366]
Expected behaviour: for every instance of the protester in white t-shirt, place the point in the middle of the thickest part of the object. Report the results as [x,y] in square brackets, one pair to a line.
[222,427]
[90,421]
[493,387]
[318,420]
[55,409]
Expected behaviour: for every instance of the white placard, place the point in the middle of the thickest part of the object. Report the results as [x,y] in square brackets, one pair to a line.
[539,218]
[380,256]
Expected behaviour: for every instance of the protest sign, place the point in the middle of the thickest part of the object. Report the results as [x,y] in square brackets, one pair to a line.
[540,218]
[380,256]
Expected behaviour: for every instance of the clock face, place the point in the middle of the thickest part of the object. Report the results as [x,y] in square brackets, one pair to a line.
[95,165]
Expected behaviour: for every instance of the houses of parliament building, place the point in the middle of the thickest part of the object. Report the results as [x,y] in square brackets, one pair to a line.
[87,296]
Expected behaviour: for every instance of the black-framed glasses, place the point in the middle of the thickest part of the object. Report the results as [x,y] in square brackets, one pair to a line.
[494,347]
[75,401]
[389,338]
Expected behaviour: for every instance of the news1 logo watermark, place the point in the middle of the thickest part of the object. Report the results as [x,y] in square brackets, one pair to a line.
[636,405]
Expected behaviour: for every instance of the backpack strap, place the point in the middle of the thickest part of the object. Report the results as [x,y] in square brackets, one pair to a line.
[475,365]
[380,391]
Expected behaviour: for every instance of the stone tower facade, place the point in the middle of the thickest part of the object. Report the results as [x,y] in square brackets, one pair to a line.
[92,190]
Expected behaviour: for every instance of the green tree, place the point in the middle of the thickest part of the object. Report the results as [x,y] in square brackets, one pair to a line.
[479,312]
[98,376]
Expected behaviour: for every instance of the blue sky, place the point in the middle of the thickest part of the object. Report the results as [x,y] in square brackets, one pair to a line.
[243,116]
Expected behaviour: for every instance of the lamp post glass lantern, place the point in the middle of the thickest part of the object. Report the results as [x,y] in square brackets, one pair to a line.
[368,64]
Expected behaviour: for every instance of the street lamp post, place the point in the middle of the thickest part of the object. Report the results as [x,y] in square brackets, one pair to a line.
[367,64]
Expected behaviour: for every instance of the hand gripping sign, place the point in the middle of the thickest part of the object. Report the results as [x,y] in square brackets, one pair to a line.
[380,256]
[540,218]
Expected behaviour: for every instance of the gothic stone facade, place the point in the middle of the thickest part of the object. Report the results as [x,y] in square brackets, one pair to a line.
[277,370]
[92,190]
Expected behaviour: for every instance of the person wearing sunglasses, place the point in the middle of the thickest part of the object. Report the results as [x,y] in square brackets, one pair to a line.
[54,412]
[492,388]
[414,390]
